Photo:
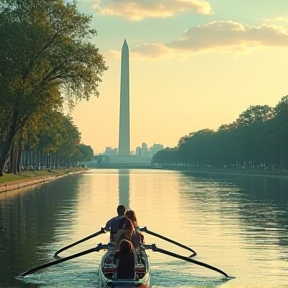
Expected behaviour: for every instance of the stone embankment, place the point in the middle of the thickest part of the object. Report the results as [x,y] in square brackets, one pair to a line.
[13,185]
[35,180]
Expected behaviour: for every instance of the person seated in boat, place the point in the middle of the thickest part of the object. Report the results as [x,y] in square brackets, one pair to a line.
[129,233]
[132,216]
[125,260]
[116,222]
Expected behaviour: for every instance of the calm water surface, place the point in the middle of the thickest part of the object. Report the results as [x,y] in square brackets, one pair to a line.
[238,224]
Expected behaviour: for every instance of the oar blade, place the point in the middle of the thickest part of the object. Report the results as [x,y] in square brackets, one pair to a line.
[55,262]
[156,249]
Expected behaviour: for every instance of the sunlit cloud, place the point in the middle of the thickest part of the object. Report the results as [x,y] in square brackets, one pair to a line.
[283,21]
[147,51]
[217,36]
[152,50]
[136,10]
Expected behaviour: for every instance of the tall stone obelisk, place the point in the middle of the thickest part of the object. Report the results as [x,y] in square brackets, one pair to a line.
[124,123]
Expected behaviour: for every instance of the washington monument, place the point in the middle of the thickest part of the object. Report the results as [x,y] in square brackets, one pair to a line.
[124,121]
[124,158]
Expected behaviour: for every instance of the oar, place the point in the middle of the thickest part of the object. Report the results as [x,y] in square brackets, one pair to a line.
[51,263]
[156,249]
[103,230]
[144,229]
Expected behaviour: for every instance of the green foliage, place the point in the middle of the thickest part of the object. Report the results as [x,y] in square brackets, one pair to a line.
[258,137]
[86,152]
[46,59]
[167,155]
[255,114]
[58,133]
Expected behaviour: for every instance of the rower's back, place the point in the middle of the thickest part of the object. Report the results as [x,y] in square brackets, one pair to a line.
[116,228]
[116,222]
[125,260]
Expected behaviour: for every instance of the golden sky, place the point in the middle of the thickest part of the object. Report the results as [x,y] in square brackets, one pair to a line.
[194,64]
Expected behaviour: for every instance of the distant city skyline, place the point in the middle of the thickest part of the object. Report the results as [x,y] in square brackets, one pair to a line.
[142,150]
[193,65]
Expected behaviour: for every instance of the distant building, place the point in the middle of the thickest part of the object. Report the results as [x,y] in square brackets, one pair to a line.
[156,148]
[145,151]
[109,151]
[100,159]
[138,151]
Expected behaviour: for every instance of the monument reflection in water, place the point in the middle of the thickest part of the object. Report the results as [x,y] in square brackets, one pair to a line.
[124,187]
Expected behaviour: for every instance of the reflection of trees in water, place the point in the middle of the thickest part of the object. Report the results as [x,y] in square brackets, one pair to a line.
[264,189]
[26,222]
[260,202]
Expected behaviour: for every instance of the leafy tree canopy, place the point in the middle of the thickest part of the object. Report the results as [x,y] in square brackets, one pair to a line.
[46,59]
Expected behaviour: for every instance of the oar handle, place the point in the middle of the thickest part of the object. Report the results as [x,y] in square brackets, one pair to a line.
[102,230]
[144,229]
[156,249]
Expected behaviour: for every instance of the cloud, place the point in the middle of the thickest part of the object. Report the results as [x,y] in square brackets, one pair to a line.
[152,50]
[137,10]
[277,20]
[148,51]
[220,34]
[217,36]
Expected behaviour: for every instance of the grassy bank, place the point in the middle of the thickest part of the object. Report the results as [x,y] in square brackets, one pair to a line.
[9,177]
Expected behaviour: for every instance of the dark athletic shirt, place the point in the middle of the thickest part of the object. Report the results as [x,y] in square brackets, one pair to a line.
[114,225]
[126,265]
[117,224]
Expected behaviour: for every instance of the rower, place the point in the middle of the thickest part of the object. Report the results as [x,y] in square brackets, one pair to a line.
[137,234]
[125,260]
[116,222]
[128,232]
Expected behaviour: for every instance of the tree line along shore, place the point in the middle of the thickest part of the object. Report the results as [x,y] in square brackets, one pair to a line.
[48,64]
[257,141]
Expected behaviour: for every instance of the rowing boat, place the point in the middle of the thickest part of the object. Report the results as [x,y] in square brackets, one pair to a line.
[108,270]
[108,267]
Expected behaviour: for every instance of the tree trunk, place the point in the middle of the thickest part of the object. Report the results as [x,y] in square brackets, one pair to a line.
[27,158]
[12,158]
[14,152]
[9,161]
[4,153]
[19,162]
[5,145]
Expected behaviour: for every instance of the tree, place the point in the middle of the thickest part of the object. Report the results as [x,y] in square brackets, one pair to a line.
[258,113]
[46,59]
[167,155]
[86,152]
[195,148]
[257,139]
[280,125]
